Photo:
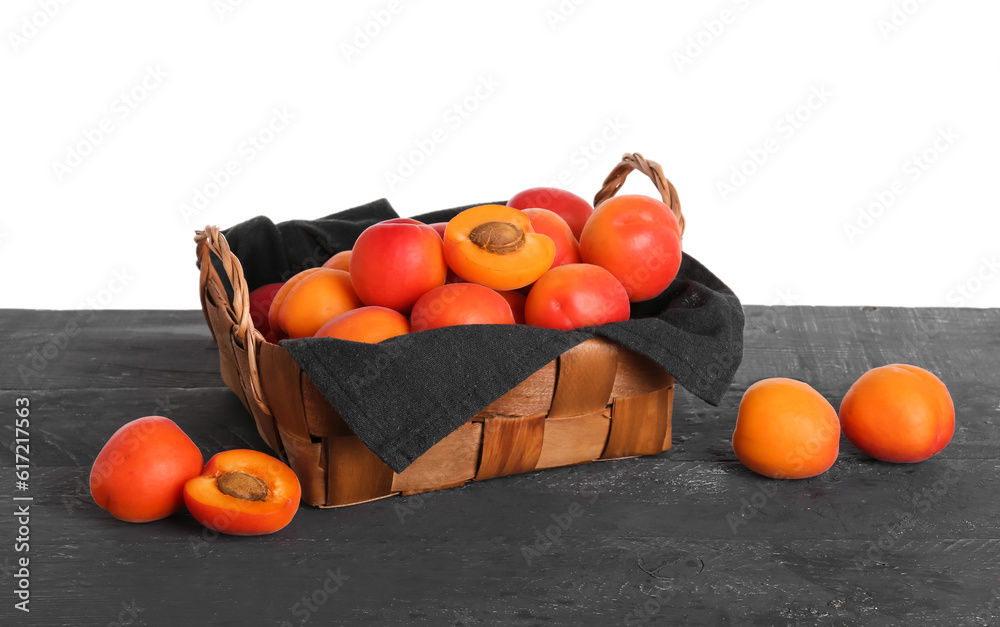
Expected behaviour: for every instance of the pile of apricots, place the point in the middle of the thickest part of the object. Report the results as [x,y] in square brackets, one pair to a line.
[149,469]
[545,259]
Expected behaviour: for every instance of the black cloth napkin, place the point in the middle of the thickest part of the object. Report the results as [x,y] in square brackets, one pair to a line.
[402,396]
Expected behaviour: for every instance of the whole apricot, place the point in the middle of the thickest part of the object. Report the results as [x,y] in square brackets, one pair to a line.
[576,295]
[786,430]
[898,413]
[340,261]
[279,299]
[459,303]
[315,299]
[260,304]
[396,262]
[366,324]
[140,473]
[637,239]
[570,207]
[550,224]
[516,301]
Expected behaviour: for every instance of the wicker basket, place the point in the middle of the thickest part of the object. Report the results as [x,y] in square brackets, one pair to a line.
[597,401]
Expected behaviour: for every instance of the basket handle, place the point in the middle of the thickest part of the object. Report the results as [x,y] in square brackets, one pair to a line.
[635,161]
[211,240]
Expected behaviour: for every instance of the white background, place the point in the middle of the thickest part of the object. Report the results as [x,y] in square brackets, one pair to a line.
[651,77]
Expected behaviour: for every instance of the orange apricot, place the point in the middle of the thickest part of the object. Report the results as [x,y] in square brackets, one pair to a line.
[340,261]
[244,493]
[366,324]
[786,430]
[496,246]
[279,298]
[314,300]
[459,303]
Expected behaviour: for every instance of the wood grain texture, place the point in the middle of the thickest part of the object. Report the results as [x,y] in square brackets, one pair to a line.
[511,445]
[687,537]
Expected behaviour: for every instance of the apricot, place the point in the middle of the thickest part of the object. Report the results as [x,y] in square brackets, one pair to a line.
[243,492]
[570,207]
[550,224]
[460,303]
[786,430]
[260,304]
[396,262]
[140,473]
[576,295]
[314,300]
[366,324]
[496,246]
[340,261]
[516,300]
[439,227]
[898,413]
[637,239]
[279,298]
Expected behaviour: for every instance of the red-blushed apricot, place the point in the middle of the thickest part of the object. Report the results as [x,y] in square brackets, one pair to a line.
[459,303]
[495,246]
[516,300]
[898,413]
[260,304]
[439,227]
[637,239]
[366,324]
[314,300]
[576,295]
[140,473]
[396,262]
[279,298]
[244,493]
[550,224]
[570,207]
[340,261]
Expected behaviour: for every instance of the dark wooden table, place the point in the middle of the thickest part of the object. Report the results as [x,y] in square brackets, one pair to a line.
[687,537]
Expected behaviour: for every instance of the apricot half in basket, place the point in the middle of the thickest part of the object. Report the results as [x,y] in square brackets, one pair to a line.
[495,246]
[244,493]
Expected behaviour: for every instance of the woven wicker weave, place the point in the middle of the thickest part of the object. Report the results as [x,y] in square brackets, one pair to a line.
[597,401]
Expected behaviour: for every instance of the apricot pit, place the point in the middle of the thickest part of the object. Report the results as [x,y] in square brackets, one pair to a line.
[242,486]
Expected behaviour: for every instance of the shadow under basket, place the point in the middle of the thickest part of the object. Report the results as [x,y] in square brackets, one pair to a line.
[597,401]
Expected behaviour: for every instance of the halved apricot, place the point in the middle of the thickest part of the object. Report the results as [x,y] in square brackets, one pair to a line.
[243,493]
[495,246]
